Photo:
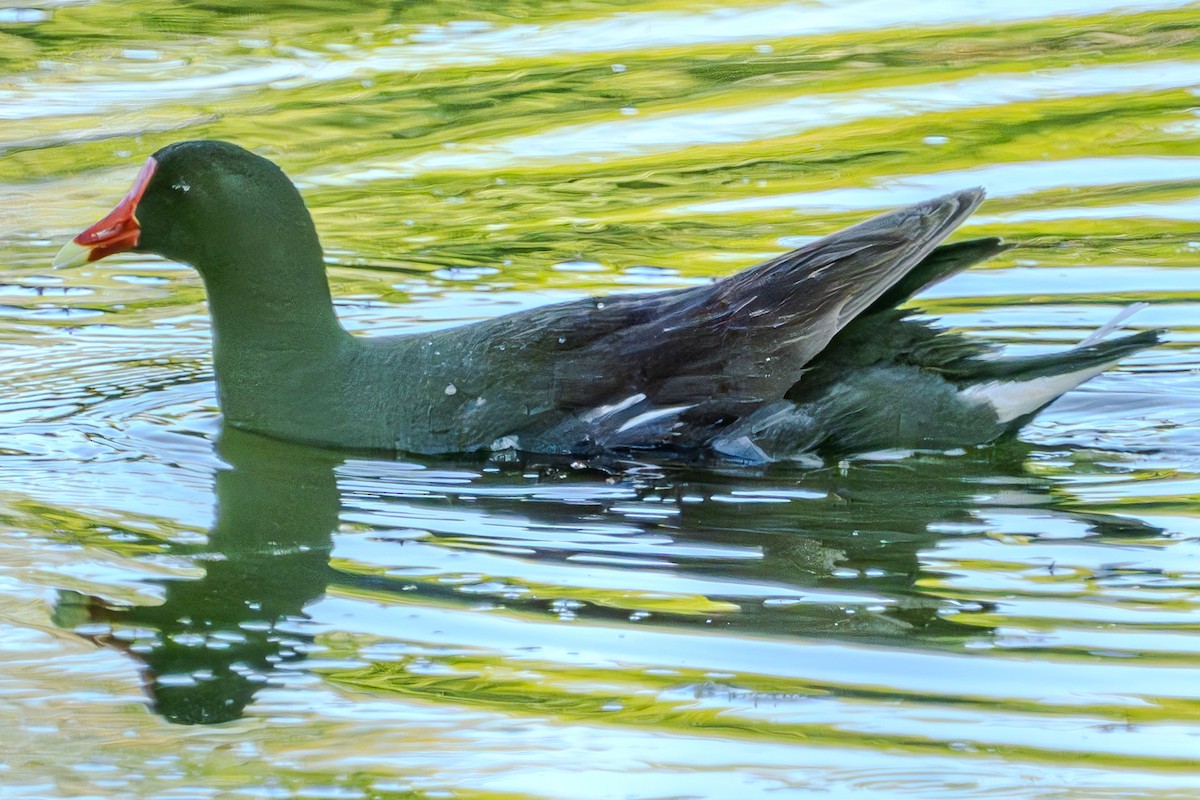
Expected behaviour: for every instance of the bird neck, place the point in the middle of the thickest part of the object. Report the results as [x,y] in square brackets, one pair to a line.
[278,347]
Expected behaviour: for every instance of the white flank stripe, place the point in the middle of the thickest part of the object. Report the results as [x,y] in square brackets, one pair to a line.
[642,419]
[600,412]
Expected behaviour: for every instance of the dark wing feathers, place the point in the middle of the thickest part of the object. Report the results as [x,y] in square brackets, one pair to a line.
[746,339]
[943,262]
[717,351]
[887,334]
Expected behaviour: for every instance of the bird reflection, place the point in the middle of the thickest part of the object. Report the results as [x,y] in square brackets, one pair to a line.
[861,530]
[216,640]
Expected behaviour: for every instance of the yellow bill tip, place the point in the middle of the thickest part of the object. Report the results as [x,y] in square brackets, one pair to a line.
[71,255]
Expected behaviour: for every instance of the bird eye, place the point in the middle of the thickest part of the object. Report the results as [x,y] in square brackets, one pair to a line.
[181,186]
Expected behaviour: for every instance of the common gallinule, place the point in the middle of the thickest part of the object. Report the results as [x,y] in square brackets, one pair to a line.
[804,353]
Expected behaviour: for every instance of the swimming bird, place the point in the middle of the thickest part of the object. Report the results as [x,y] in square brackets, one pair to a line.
[805,353]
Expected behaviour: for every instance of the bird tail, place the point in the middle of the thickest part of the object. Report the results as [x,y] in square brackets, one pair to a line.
[1018,388]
